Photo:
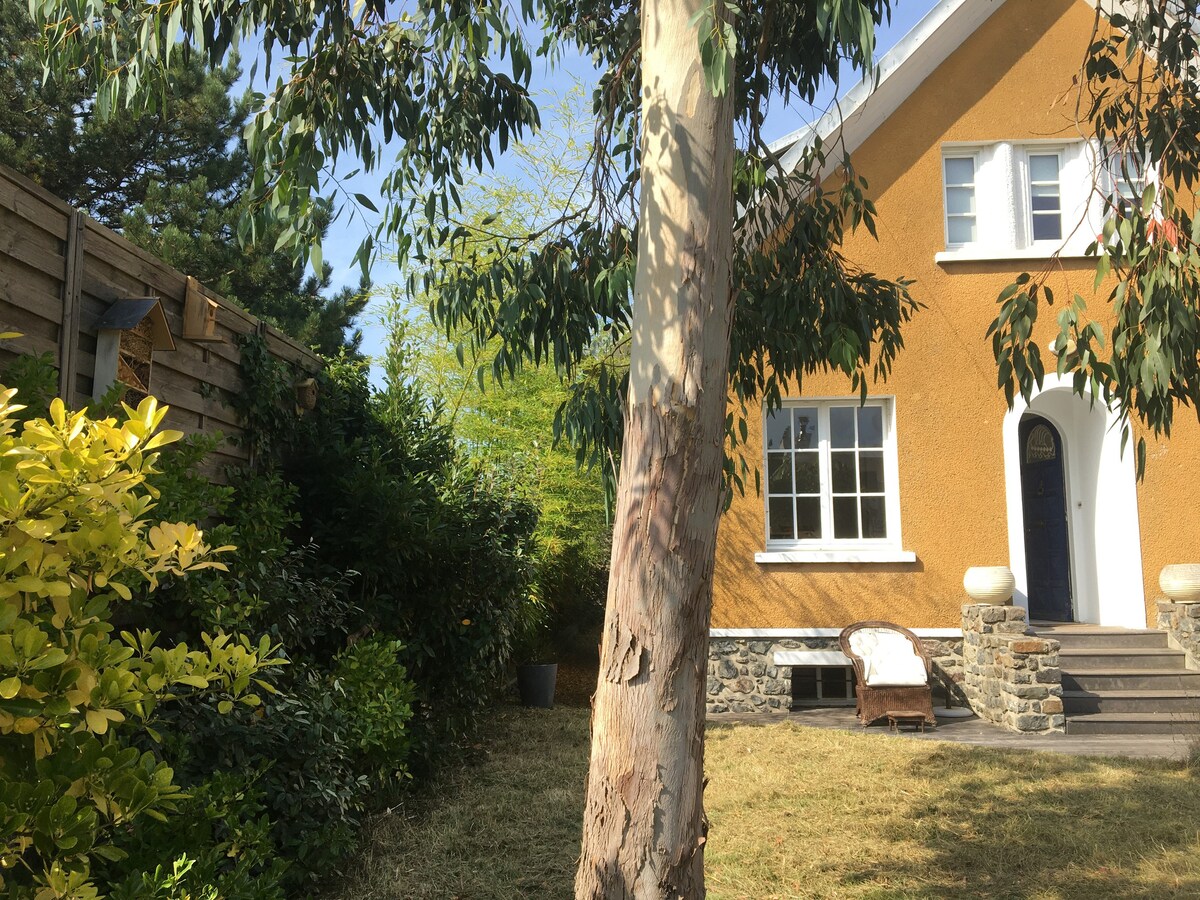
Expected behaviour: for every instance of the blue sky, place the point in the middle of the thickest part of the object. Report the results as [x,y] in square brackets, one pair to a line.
[346,234]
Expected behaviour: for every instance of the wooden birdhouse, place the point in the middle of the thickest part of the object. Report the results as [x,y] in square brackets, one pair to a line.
[306,394]
[199,314]
[126,337]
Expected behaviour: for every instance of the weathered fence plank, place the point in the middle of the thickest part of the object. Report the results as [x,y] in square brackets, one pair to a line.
[59,273]
[72,305]
[23,241]
[16,197]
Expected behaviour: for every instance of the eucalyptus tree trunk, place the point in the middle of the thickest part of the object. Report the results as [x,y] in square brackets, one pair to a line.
[644,825]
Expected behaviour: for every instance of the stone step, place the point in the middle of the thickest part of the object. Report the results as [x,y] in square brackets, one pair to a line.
[1084,702]
[1184,724]
[1073,636]
[1078,659]
[1122,679]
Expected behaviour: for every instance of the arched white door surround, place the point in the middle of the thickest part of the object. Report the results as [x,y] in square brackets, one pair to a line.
[1105,539]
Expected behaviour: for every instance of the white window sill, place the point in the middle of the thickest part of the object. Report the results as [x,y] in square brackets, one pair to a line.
[977,254]
[887,555]
[811,658]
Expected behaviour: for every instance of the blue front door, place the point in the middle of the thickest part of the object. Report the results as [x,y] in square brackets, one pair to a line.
[1047,542]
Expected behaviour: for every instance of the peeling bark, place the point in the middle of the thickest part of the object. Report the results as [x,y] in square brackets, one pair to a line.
[644,825]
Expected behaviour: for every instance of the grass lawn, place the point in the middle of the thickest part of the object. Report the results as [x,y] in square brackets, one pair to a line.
[799,812]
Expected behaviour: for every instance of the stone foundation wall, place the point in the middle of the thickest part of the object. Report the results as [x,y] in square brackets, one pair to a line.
[743,677]
[1181,622]
[947,657]
[1010,678]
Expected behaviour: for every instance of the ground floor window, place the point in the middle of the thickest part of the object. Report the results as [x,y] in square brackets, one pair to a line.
[822,685]
[831,475]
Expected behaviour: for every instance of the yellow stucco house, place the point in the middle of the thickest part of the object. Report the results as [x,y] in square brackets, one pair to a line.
[979,171]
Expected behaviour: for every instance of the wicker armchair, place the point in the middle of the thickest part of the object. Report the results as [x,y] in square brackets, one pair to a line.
[880,655]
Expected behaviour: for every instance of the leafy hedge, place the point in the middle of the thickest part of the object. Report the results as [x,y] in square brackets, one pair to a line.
[441,548]
[393,576]
[80,700]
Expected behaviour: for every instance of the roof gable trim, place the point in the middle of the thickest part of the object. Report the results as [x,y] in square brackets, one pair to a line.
[901,71]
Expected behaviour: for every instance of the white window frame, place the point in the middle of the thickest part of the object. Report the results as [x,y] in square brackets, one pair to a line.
[972,155]
[1025,195]
[1112,187]
[819,678]
[1116,176]
[1003,200]
[830,549]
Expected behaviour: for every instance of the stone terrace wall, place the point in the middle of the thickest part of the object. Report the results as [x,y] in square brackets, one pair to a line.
[947,657]
[743,677]
[1181,622]
[1011,678]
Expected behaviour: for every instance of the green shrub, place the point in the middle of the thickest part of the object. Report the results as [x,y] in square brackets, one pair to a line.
[253,512]
[172,885]
[300,755]
[74,695]
[392,573]
[376,698]
[186,492]
[441,549]
[572,582]
[224,832]
[35,378]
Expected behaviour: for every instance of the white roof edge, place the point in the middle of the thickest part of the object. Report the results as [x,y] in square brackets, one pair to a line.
[901,71]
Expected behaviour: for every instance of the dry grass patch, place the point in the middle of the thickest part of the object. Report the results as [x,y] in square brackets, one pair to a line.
[800,813]
[504,825]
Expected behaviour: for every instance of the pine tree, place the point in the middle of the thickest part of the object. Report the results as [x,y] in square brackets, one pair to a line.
[174,180]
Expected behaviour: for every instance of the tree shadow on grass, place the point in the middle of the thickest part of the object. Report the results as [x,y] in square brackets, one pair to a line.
[1050,826]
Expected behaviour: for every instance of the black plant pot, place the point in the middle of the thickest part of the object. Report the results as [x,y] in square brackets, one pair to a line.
[535,684]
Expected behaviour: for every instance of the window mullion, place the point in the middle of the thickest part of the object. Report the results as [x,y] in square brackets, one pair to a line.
[858,488]
[826,475]
[891,469]
[795,487]
[857,479]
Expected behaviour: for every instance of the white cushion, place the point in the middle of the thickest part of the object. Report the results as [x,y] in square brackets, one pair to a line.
[897,671]
[863,642]
[888,658]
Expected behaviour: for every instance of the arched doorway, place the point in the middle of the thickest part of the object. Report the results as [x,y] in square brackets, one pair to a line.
[1104,539]
[1045,510]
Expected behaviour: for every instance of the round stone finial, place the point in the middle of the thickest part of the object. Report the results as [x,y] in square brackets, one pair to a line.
[1181,582]
[990,584]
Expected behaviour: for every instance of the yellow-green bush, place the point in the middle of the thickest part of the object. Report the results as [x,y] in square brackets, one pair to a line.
[75,537]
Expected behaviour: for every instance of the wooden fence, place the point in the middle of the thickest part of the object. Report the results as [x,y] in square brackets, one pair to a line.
[60,271]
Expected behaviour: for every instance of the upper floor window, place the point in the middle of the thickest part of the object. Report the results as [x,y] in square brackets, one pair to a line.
[1019,199]
[1045,197]
[960,199]
[1128,176]
[831,474]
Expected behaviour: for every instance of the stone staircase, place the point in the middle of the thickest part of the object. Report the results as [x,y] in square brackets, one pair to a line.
[1124,681]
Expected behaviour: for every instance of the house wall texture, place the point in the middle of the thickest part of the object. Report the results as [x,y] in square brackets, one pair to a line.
[1011,81]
